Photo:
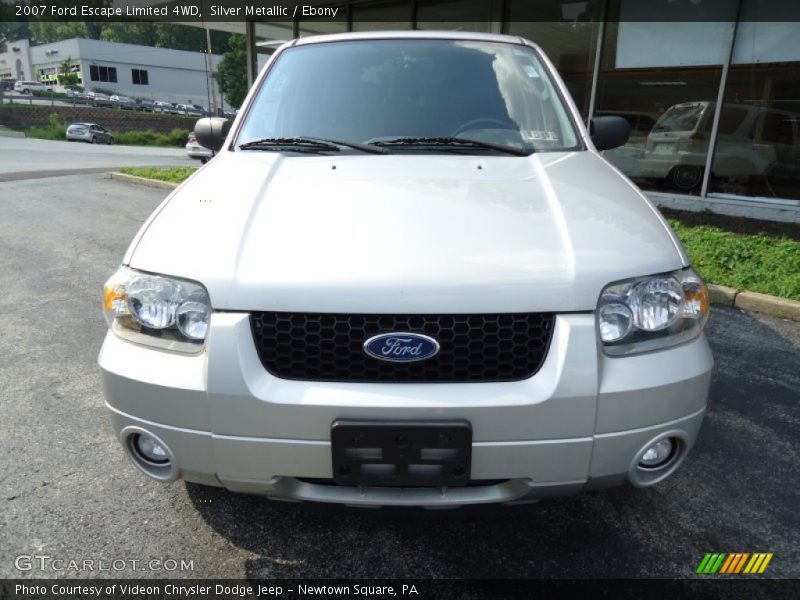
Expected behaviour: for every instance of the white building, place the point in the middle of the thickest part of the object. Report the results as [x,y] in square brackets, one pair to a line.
[176,76]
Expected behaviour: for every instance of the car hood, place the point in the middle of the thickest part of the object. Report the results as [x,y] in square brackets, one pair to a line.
[406,233]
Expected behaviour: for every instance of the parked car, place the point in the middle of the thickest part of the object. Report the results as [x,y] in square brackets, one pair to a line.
[6,85]
[189,110]
[98,99]
[424,286]
[195,150]
[678,144]
[89,132]
[123,102]
[164,107]
[26,87]
[144,104]
[76,96]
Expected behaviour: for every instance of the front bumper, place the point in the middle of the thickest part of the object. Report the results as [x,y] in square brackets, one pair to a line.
[578,424]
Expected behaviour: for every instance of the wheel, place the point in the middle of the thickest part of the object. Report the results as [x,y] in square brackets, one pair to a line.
[486,121]
[685,177]
[94,140]
[203,160]
[110,141]
[26,92]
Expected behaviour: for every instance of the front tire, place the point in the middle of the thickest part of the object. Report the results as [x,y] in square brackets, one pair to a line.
[94,140]
[685,178]
[111,141]
[203,160]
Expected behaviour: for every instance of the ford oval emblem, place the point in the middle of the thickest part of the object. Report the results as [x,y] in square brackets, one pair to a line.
[401,346]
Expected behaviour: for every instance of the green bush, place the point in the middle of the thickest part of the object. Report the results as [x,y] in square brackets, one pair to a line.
[46,94]
[176,137]
[58,131]
[54,131]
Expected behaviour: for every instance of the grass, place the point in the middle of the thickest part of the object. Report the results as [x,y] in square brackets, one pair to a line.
[757,262]
[754,262]
[173,175]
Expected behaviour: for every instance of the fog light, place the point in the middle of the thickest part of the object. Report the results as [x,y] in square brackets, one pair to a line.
[658,454]
[150,449]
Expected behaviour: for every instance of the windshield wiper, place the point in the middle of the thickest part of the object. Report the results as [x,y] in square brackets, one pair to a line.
[310,144]
[452,142]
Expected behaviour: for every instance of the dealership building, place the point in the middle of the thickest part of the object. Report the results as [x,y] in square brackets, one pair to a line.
[711,88]
[163,74]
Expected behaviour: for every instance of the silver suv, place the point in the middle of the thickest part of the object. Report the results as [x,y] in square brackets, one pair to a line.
[753,141]
[407,278]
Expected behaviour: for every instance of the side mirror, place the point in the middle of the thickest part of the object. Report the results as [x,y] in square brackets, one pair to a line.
[607,132]
[211,132]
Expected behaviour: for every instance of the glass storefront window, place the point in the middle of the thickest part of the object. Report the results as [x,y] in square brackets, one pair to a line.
[757,152]
[381,16]
[664,78]
[268,37]
[450,14]
[570,40]
[326,25]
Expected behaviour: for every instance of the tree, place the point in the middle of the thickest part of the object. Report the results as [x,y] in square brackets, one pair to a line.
[44,32]
[11,32]
[66,76]
[232,71]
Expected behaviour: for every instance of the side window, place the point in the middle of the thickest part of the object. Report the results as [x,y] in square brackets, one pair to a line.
[730,119]
[139,77]
[773,128]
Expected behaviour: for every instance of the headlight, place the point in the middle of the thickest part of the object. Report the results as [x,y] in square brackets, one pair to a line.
[651,313]
[155,310]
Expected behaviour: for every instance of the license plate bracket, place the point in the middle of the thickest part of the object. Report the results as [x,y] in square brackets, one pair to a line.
[401,453]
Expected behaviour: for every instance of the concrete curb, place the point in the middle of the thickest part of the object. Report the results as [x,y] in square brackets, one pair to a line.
[155,183]
[718,294]
[755,302]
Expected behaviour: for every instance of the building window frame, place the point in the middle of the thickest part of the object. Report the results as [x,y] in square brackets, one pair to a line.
[103,73]
[140,77]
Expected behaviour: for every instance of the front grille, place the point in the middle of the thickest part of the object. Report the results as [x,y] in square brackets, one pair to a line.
[329,347]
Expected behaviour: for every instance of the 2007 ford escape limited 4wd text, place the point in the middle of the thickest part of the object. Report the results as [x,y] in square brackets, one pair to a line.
[408,277]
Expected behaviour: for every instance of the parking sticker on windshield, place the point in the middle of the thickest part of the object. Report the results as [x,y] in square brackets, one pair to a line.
[538,135]
[531,71]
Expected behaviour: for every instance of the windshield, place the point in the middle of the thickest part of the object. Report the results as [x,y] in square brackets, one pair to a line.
[384,90]
[681,117]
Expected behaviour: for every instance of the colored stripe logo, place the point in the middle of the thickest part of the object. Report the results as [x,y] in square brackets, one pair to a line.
[734,563]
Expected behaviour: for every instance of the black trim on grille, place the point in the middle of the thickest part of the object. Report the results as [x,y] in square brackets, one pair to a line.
[474,348]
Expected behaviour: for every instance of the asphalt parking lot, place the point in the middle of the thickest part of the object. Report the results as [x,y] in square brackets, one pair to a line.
[25,158]
[67,491]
